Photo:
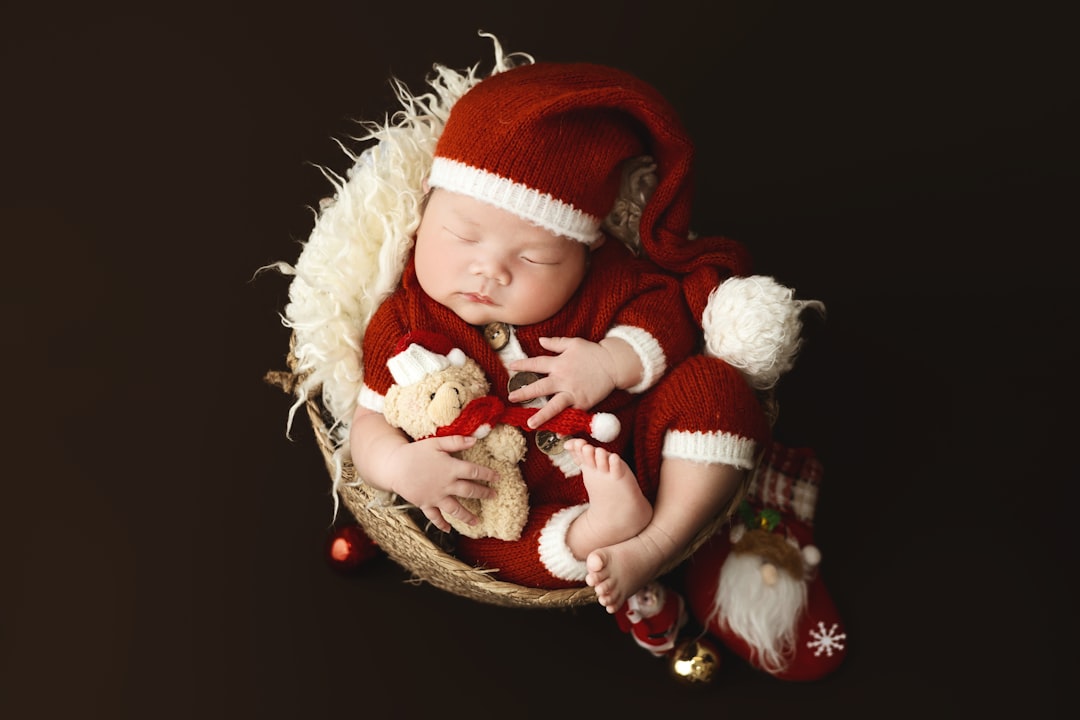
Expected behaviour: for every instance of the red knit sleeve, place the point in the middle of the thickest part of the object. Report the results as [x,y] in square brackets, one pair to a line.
[652,310]
[658,308]
[383,332]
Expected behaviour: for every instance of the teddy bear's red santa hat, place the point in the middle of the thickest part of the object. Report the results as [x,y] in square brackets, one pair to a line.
[421,353]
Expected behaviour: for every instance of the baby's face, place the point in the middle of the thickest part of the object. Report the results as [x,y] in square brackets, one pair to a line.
[489,265]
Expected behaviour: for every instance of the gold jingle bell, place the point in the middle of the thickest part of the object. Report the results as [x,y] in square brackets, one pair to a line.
[695,661]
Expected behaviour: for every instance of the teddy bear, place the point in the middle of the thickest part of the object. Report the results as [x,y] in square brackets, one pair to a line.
[444,385]
[439,391]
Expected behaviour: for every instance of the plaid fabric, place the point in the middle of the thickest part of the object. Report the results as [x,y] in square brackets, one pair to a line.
[787,480]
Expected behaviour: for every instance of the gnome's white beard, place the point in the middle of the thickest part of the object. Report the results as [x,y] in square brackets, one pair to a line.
[763,615]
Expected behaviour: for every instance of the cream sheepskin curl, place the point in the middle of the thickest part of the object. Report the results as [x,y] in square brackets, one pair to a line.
[356,253]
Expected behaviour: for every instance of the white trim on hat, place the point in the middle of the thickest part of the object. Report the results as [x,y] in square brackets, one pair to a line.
[539,208]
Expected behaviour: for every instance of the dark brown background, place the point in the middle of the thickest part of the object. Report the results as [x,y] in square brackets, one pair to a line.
[161,540]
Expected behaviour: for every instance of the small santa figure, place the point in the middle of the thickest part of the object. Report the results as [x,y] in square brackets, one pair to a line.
[757,587]
[653,616]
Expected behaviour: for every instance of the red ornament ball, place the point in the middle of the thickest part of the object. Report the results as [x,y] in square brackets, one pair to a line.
[348,547]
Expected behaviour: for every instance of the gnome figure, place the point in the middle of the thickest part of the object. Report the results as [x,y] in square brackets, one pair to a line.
[757,587]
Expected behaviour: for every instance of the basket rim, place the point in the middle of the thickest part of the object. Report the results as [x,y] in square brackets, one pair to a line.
[394,530]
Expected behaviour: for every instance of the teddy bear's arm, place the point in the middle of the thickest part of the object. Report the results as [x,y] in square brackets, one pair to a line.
[507,442]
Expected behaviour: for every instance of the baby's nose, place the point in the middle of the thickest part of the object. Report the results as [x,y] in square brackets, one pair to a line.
[492,269]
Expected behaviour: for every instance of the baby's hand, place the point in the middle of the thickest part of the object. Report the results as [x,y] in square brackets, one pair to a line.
[429,477]
[580,374]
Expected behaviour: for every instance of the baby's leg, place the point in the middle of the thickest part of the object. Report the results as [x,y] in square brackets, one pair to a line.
[617,508]
[690,495]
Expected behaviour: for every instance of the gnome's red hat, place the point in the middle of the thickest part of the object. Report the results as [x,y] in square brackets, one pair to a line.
[548,142]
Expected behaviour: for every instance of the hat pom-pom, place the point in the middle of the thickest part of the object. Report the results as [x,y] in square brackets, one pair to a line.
[604,427]
[456,357]
[753,323]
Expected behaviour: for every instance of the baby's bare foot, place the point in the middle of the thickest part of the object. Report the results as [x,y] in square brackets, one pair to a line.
[617,508]
[618,571]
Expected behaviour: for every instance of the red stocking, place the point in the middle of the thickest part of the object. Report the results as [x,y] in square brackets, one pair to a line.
[758,588]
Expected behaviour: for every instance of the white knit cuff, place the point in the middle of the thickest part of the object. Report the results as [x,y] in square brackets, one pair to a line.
[653,359]
[371,400]
[555,554]
[711,448]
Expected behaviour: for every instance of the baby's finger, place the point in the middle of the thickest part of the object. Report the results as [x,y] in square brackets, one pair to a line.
[552,407]
[470,491]
[537,364]
[450,506]
[474,475]
[537,388]
[554,344]
[453,443]
[436,517]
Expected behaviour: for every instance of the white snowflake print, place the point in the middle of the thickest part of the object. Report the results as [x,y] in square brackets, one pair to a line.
[825,640]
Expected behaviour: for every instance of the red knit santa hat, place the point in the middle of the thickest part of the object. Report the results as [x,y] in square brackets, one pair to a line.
[548,141]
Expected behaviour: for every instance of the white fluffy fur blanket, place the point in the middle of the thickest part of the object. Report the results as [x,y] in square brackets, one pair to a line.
[362,236]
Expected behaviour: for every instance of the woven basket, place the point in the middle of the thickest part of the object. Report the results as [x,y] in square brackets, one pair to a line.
[398,531]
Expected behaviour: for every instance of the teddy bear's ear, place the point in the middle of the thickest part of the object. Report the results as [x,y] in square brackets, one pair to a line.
[472,375]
